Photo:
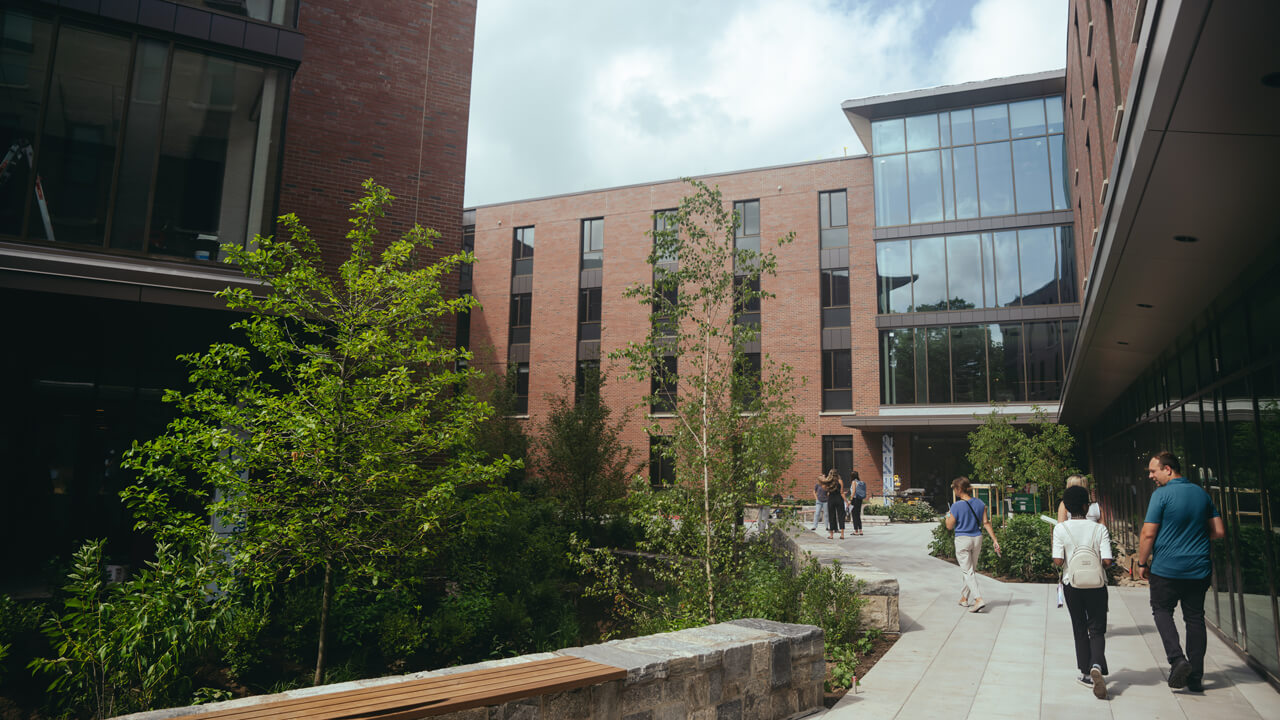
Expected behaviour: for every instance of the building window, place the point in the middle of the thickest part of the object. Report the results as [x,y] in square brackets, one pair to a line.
[522,389]
[662,467]
[165,169]
[662,386]
[586,379]
[522,251]
[521,317]
[664,316]
[465,270]
[746,300]
[984,161]
[1010,268]
[837,453]
[589,314]
[592,243]
[834,294]
[663,222]
[746,379]
[833,219]
[746,236]
[837,380]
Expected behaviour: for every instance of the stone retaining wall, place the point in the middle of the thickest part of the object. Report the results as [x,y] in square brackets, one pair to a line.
[878,587]
[739,670]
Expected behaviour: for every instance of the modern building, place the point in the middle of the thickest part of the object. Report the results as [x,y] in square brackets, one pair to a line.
[1173,146]
[138,135]
[928,282]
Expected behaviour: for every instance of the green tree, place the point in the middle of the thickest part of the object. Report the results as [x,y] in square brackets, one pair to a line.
[1003,454]
[580,455]
[502,437]
[336,438]
[733,429]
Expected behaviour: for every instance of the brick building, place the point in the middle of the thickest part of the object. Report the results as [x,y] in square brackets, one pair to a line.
[864,283]
[157,130]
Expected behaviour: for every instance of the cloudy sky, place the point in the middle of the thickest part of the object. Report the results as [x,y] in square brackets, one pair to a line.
[583,94]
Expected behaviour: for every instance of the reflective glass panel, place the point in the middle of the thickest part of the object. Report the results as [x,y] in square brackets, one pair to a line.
[944,129]
[995,179]
[966,176]
[1044,361]
[1266,388]
[1066,264]
[991,123]
[887,137]
[964,272]
[922,132]
[1038,254]
[24,59]
[926,186]
[948,189]
[1053,111]
[961,127]
[893,276]
[988,272]
[1008,289]
[939,365]
[1058,173]
[929,266]
[78,147]
[1005,352]
[1031,175]
[891,190]
[207,156]
[969,363]
[897,367]
[142,137]
[1026,118]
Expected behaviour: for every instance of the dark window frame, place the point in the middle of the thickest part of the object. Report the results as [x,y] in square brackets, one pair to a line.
[520,318]
[522,250]
[835,396]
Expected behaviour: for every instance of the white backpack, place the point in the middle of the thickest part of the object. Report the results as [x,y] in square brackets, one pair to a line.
[1084,563]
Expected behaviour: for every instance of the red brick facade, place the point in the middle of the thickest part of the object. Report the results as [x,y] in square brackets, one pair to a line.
[383,92]
[1101,47]
[790,324]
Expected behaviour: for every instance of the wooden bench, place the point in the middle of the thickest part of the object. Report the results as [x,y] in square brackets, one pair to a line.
[431,696]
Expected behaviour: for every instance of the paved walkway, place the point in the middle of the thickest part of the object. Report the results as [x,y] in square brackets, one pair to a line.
[1017,660]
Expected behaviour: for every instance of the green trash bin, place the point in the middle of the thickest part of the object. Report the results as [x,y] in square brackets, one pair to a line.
[1026,503]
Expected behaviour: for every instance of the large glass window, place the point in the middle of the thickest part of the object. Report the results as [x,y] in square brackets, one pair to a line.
[982,162]
[837,380]
[589,314]
[964,272]
[939,358]
[969,364]
[833,219]
[592,243]
[521,317]
[663,383]
[929,268]
[145,147]
[897,367]
[1008,287]
[1038,259]
[834,293]
[1044,361]
[662,467]
[893,276]
[522,251]
[522,389]
[1006,359]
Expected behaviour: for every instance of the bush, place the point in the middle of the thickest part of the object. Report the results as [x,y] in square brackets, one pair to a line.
[1026,543]
[902,512]
[831,600]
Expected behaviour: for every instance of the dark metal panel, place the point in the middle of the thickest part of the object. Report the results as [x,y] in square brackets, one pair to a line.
[260,38]
[228,31]
[126,10]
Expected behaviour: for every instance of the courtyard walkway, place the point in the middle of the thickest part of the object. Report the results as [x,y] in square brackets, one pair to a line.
[1016,659]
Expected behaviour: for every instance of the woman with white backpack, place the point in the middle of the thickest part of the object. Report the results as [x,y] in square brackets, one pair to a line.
[1082,548]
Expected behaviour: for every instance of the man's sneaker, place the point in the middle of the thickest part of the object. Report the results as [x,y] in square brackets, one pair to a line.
[1179,673]
[1195,683]
[1086,681]
[1099,685]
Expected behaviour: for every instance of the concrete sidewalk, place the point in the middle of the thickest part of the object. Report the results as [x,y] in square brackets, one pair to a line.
[1016,659]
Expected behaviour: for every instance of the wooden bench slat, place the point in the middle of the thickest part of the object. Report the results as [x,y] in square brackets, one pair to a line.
[285,707]
[425,697]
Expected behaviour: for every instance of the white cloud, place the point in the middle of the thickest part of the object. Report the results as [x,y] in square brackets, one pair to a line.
[573,97]
[1006,37]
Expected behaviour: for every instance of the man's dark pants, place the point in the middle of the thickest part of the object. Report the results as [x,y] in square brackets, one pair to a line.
[1088,610]
[1166,594]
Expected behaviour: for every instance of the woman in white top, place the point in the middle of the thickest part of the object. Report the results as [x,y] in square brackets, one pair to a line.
[1094,513]
[1086,599]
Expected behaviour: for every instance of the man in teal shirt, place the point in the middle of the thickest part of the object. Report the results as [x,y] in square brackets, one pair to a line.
[1181,520]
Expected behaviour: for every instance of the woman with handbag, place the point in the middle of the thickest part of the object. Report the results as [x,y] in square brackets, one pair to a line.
[968,517]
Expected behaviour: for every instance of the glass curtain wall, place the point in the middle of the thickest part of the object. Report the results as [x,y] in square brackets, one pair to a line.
[984,161]
[1011,268]
[139,145]
[1214,400]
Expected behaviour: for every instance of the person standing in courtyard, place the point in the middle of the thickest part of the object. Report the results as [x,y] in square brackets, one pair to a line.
[1173,553]
[968,517]
[1094,512]
[819,501]
[835,504]
[1082,547]
[857,494]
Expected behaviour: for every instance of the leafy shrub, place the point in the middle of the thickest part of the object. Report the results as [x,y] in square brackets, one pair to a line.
[831,600]
[240,641]
[18,621]
[1026,543]
[845,670]
[903,512]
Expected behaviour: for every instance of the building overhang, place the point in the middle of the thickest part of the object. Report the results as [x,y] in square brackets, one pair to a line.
[862,111]
[1198,156]
[893,419]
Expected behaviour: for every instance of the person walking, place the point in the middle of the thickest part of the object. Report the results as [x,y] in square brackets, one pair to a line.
[1173,553]
[819,501]
[856,497]
[1094,512]
[835,504]
[1082,547]
[968,516]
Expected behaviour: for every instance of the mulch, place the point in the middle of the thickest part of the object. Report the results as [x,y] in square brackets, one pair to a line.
[865,663]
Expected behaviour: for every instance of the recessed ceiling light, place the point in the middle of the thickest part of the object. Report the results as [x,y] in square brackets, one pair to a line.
[1271,79]
[1144,305]
[1186,238]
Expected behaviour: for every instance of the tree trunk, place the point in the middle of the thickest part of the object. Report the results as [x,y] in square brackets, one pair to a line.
[706,487]
[325,597]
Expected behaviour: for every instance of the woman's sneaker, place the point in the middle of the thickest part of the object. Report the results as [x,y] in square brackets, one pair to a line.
[1099,685]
